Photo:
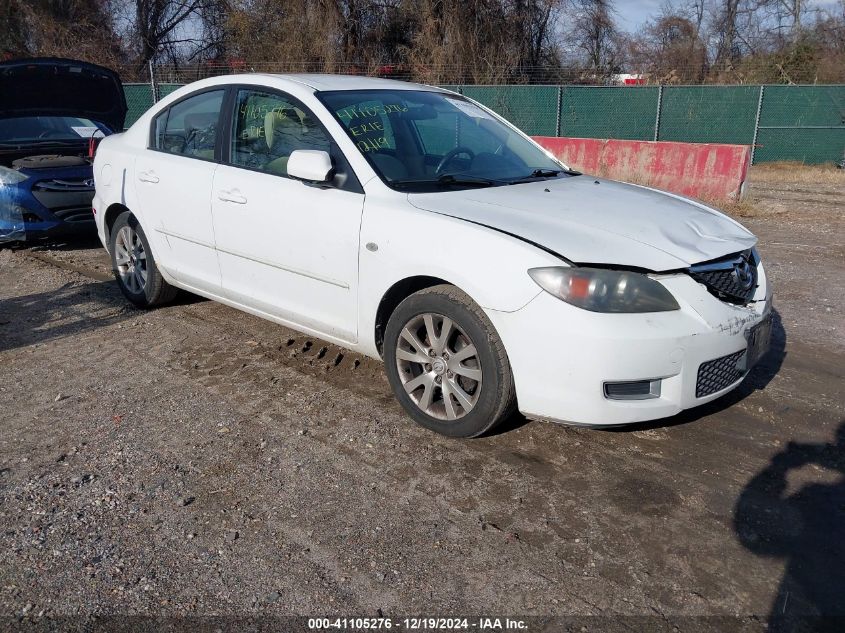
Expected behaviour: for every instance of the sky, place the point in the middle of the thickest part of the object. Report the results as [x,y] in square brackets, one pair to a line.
[631,14]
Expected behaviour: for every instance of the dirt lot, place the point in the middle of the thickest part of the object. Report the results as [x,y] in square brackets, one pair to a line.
[195,460]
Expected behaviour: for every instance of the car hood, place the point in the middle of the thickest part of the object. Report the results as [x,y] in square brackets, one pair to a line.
[61,87]
[596,221]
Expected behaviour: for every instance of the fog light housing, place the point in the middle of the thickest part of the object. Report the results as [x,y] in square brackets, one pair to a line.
[632,390]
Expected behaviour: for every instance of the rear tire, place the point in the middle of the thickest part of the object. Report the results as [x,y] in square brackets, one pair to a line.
[134,266]
[447,365]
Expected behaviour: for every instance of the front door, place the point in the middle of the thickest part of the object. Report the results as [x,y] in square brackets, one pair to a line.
[285,247]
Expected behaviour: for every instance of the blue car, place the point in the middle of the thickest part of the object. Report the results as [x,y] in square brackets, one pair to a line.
[52,114]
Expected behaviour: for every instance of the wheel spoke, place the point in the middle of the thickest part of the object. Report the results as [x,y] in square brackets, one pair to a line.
[462,396]
[451,414]
[470,372]
[412,339]
[445,332]
[430,331]
[120,257]
[142,255]
[427,396]
[422,379]
[438,342]
[462,354]
[411,357]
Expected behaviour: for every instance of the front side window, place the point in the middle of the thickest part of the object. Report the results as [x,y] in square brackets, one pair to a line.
[268,127]
[189,128]
[424,141]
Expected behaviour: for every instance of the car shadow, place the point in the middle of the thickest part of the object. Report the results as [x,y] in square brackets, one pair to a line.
[805,529]
[66,311]
[68,243]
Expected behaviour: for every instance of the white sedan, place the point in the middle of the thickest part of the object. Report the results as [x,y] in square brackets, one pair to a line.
[414,225]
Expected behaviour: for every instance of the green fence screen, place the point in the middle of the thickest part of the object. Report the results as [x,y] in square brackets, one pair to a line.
[139,98]
[806,124]
[797,123]
[709,114]
[530,108]
[608,112]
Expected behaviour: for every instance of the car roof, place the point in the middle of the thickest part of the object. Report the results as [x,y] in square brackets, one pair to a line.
[323,82]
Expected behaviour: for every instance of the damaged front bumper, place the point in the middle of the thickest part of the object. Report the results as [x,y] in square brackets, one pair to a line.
[594,369]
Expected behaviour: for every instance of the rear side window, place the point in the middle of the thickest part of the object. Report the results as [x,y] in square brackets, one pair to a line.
[190,128]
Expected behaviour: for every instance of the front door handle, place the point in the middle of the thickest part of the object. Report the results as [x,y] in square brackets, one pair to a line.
[148,176]
[232,195]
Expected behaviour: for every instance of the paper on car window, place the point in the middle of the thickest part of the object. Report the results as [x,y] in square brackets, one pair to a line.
[87,131]
[469,108]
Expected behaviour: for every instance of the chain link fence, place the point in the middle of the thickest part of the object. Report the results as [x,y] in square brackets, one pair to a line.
[781,123]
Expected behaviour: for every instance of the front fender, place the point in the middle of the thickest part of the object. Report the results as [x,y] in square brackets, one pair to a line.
[490,266]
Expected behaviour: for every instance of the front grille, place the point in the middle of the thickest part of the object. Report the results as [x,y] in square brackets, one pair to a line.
[732,279]
[61,196]
[718,374]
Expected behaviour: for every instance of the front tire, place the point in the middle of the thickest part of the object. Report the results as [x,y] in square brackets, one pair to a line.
[134,267]
[447,365]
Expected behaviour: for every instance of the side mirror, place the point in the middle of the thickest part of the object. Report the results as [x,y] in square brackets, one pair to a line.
[310,165]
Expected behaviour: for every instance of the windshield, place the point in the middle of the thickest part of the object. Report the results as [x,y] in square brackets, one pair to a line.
[429,141]
[34,129]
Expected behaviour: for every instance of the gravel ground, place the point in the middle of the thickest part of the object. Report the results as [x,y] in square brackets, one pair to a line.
[197,461]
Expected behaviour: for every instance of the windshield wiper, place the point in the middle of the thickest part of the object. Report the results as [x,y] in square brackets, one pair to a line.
[466,179]
[545,173]
[452,179]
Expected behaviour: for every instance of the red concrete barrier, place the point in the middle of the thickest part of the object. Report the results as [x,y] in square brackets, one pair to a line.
[709,171]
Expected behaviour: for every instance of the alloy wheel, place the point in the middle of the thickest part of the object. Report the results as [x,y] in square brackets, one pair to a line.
[130,258]
[439,366]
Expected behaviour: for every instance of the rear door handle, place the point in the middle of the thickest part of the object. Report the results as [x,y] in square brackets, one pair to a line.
[232,195]
[148,176]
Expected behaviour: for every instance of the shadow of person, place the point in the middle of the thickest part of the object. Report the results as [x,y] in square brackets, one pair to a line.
[807,529]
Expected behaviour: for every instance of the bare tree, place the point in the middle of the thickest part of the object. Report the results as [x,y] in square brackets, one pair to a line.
[176,30]
[594,33]
[670,50]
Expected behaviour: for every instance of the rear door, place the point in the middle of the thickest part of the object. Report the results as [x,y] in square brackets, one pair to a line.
[286,248]
[174,179]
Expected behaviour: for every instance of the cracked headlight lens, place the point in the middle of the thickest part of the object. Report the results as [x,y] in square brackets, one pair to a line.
[600,290]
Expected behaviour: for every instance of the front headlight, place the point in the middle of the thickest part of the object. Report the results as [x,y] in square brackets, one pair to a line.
[11,176]
[600,290]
